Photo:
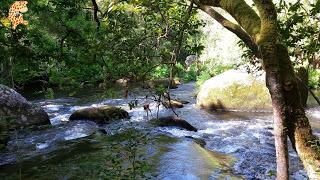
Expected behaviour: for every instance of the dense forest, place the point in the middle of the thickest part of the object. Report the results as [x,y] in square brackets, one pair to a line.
[160,61]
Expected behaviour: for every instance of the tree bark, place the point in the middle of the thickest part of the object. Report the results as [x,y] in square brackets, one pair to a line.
[289,114]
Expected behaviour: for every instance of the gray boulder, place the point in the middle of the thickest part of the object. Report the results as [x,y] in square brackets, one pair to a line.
[22,113]
[234,90]
[100,115]
[17,113]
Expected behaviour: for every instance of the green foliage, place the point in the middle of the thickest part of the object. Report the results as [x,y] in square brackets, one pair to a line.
[49,93]
[161,72]
[211,68]
[191,74]
[111,93]
[299,29]
[314,78]
[64,45]
[204,75]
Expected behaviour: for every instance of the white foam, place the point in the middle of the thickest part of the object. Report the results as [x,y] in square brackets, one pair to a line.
[40,146]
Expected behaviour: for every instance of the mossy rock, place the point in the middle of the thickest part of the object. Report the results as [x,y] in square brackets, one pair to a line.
[100,115]
[234,90]
[173,121]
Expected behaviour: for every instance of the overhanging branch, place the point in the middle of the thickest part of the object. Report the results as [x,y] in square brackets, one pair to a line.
[234,28]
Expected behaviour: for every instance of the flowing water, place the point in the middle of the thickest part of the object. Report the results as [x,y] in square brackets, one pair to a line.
[238,145]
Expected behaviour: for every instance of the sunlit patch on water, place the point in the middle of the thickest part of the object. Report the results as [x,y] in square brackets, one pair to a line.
[59,118]
[187,160]
[75,135]
[52,107]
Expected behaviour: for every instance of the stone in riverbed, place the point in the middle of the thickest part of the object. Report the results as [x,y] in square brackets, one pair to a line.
[100,115]
[17,113]
[173,121]
[234,90]
[172,104]
[23,113]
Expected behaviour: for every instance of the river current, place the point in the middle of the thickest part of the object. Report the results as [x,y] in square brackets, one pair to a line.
[238,145]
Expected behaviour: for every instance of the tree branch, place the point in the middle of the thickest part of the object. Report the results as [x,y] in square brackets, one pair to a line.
[243,14]
[95,13]
[180,37]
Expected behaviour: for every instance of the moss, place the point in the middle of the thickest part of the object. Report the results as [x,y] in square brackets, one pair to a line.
[244,15]
[308,147]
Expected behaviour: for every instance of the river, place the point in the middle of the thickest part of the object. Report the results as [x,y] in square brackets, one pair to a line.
[238,145]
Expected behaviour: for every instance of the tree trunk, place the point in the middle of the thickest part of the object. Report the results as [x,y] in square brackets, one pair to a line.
[260,34]
[300,132]
[274,84]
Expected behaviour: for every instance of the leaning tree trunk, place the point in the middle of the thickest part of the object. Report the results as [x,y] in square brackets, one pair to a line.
[300,132]
[260,34]
[289,114]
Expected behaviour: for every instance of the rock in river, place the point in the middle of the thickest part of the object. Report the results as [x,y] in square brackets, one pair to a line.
[172,104]
[17,113]
[100,115]
[173,121]
[234,90]
[21,112]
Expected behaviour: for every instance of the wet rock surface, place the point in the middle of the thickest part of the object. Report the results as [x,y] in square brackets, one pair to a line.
[23,113]
[173,104]
[100,115]
[17,113]
[173,121]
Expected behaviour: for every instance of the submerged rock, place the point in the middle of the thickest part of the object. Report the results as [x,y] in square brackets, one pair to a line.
[234,90]
[173,121]
[199,141]
[100,115]
[173,104]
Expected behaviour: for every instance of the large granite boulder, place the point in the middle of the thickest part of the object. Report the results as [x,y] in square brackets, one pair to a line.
[100,115]
[14,106]
[17,113]
[234,90]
